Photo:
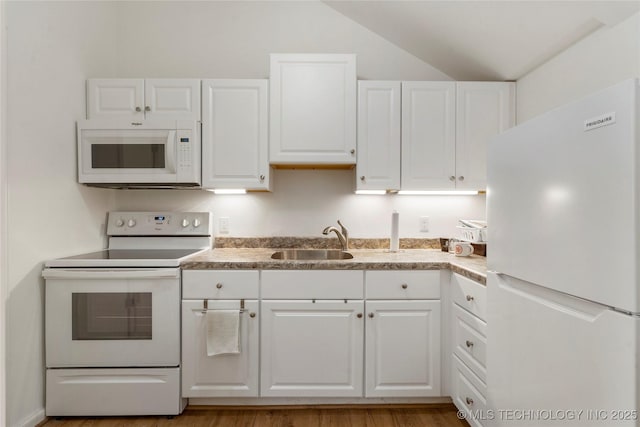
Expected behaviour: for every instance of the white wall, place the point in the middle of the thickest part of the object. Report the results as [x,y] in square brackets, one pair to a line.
[52,48]
[306,201]
[230,39]
[3,212]
[234,39]
[604,58]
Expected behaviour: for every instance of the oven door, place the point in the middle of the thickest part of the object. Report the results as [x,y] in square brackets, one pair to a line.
[112,318]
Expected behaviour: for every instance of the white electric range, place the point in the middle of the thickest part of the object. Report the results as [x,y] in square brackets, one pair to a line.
[113,317]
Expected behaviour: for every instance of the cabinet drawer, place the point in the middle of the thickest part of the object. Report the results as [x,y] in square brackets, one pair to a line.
[403,284]
[219,284]
[469,295]
[312,284]
[469,393]
[470,342]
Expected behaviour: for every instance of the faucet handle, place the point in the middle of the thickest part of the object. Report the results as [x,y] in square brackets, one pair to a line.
[345,232]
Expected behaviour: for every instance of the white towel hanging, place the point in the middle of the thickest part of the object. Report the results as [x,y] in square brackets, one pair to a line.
[223,332]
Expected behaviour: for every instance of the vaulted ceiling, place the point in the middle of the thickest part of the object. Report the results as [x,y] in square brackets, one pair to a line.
[485,40]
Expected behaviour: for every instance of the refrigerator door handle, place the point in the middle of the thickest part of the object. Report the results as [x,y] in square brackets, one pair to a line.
[571,305]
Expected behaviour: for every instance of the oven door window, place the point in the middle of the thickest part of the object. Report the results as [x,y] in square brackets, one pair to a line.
[111,316]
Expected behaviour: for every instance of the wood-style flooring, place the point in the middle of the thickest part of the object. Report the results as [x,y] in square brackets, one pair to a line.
[380,416]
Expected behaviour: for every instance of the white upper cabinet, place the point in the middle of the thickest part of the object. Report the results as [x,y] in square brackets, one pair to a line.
[115,98]
[378,165]
[313,109]
[445,130]
[428,135]
[141,99]
[483,110]
[235,148]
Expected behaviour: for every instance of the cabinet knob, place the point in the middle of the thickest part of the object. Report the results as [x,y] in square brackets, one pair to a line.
[461,178]
[470,298]
[262,178]
[371,315]
[252,315]
[147,108]
[452,178]
[219,285]
[362,178]
[469,344]
[359,315]
[469,401]
[138,109]
[405,286]
[353,151]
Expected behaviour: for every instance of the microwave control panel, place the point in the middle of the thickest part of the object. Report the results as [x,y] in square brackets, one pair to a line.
[185,148]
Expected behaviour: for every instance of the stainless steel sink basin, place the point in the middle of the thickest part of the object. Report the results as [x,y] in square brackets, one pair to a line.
[311,254]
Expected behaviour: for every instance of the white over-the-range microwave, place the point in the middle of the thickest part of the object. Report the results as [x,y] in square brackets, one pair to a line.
[143,154]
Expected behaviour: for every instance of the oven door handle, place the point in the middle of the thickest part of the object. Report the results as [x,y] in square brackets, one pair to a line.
[105,273]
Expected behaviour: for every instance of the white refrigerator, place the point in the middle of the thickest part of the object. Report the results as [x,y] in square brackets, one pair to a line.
[563,208]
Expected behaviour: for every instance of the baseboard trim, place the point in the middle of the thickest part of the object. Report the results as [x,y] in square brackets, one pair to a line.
[210,404]
[35,419]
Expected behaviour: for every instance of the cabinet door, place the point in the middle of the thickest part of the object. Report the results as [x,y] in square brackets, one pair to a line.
[312,349]
[177,99]
[378,165]
[428,135]
[403,348]
[115,98]
[313,109]
[235,134]
[224,375]
[483,110]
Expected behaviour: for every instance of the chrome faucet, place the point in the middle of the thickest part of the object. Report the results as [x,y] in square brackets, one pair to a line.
[343,235]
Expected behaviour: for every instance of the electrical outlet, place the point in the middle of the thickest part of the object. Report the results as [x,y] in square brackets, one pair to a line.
[424,224]
[223,225]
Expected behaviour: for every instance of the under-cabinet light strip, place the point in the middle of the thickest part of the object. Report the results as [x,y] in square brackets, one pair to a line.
[229,191]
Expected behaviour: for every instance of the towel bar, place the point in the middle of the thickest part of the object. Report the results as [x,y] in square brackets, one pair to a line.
[205,307]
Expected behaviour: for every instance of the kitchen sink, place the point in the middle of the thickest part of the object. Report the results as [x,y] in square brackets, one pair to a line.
[311,254]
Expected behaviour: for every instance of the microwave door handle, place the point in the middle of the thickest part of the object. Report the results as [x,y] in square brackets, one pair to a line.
[171,153]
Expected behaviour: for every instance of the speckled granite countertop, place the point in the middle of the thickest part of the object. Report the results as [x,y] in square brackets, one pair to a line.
[473,267]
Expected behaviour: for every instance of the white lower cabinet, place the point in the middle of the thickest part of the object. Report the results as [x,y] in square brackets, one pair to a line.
[300,337]
[224,375]
[402,342]
[312,348]
[403,348]
[469,348]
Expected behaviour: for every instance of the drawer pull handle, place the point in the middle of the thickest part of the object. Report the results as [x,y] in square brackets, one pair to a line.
[469,344]
[219,285]
[359,315]
[252,315]
[469,401]
[470,298]
[404,286]
[371,315]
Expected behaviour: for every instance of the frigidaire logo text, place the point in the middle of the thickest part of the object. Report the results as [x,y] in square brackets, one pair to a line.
[596,122]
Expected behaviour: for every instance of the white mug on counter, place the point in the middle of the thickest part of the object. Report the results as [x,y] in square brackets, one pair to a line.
[462,248]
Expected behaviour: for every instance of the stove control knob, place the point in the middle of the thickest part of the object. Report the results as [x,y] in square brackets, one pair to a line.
[185,223]
[196,223]
[119,223]
[131,223]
